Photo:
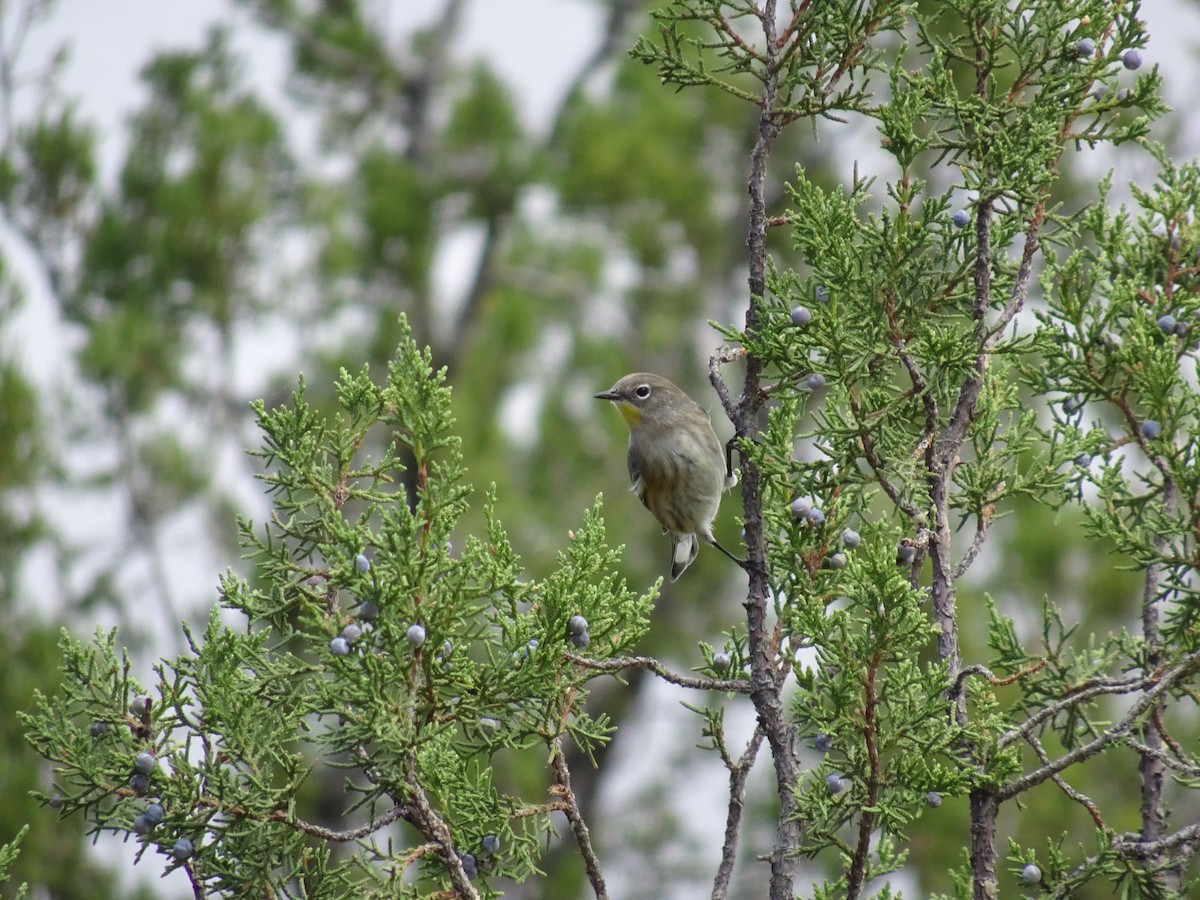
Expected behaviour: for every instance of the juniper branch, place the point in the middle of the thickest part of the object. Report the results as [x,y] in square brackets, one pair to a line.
[725,685]
[583,837]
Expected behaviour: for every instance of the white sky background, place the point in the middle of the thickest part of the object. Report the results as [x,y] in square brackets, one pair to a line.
[111,39]
[536,45]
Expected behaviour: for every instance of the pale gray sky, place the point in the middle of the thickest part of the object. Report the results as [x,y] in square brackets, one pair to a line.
[534,44]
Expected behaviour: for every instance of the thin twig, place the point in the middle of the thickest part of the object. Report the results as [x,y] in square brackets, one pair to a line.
[1190,770]
[562,778]
[437,831]
[1094,688]
[541,809]
[725,685]
[982,521]
[399,811]
[720,356]
[1080,798]
[733,818]
[915,375]
[416,853]
[871,455]
[980,670]
[985,672]
[856,871]
[1117,732]
[1138,849]
[1020,288]
[198,890]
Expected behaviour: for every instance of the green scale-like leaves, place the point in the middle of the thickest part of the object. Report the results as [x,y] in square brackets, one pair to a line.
[246,722]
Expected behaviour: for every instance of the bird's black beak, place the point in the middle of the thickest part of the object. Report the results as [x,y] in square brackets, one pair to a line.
[607,395]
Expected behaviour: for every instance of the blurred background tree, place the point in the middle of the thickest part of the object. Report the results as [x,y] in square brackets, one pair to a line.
[244,237]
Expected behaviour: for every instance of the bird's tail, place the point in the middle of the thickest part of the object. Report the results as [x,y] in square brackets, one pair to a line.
[684,548]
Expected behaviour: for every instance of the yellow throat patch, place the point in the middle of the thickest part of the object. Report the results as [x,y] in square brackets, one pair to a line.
[630,413]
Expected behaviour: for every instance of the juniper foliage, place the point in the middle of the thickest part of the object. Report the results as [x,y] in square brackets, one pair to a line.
[259,708]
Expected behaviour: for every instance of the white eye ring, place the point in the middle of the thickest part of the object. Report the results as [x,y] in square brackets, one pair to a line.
[642,392]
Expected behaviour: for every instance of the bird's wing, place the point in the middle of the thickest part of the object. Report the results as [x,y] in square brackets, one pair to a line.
[634,462]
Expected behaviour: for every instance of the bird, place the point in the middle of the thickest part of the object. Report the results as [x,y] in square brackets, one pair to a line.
[676,463]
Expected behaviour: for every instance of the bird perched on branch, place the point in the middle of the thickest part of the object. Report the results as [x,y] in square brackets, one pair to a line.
[676,463]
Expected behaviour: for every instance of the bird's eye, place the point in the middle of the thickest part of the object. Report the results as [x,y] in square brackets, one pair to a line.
[642,391]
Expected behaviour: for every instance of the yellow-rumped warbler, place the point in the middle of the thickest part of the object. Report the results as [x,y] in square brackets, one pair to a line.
[676,463]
